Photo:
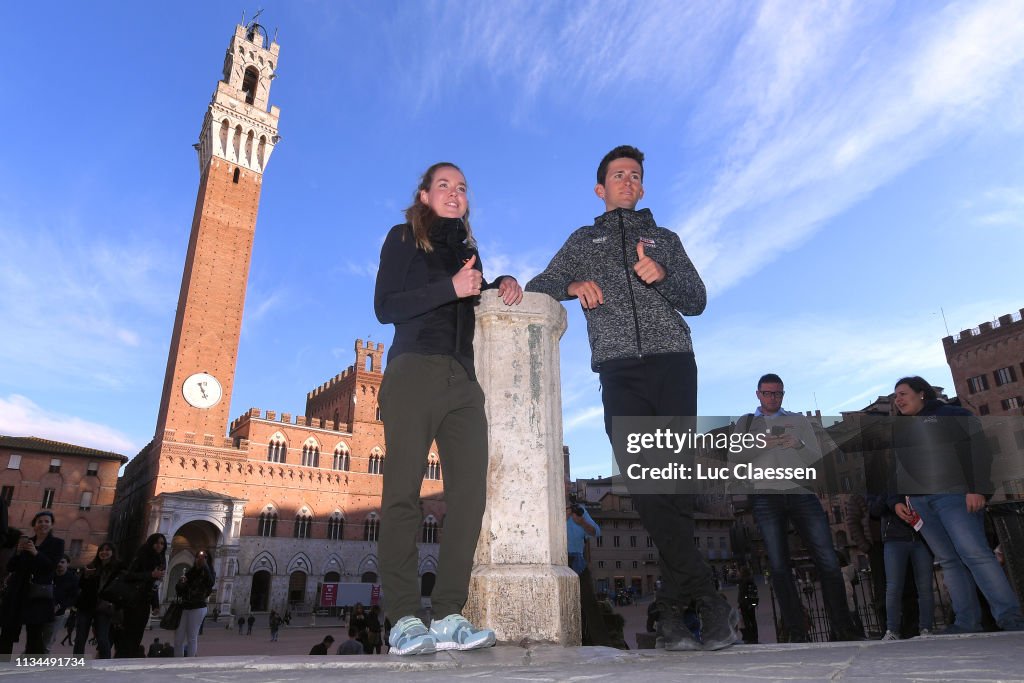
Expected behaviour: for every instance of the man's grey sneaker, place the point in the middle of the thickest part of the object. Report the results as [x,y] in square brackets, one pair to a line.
[925,632]
[718,622]
[454,632]
[411,637]
[673,633]
[889,635]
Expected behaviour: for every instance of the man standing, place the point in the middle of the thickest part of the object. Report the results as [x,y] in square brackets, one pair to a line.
[791,442]
[578,525]
[633,279]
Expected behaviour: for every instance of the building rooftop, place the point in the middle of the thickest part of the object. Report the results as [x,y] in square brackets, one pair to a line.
[34,443]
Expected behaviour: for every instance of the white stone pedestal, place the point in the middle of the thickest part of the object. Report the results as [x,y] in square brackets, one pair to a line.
[521,586]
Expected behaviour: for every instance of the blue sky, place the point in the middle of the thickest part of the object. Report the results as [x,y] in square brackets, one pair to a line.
[838,171]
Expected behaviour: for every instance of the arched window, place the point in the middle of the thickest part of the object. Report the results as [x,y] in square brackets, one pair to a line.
[277,449]
[433,468]
[336,527]
[311,454]
[376,464]
[303,523]
[430,530]
[342,459]
[371,527]
[249,83]
[268,524]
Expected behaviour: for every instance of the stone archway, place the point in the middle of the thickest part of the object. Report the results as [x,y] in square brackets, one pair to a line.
[297,588]
[259,595]
[186,542]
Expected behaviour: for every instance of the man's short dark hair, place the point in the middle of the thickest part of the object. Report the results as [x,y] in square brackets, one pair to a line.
[328,639]
[620,152]
[770,378]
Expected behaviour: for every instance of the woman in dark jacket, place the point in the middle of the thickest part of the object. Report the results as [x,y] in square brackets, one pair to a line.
[28,599]
[903,547]
[146,571]
[193,590]
[427,286]
[94,613]
[943,463]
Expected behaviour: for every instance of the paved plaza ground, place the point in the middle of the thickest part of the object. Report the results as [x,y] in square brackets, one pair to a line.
[226,657]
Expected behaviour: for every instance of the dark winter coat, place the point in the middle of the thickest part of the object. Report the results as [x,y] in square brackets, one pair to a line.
[414,291]
[195,590]
[636,319]
[26,569]
[90,584]
[942,449]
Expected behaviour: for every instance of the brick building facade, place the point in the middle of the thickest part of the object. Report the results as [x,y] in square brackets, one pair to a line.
[987,364]
[282,503]
[625,557]
[75,482]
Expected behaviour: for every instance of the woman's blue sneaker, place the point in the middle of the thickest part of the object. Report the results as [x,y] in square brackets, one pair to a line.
[454,632]
[411,637]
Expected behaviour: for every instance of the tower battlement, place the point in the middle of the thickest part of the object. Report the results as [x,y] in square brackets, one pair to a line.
[1005,324]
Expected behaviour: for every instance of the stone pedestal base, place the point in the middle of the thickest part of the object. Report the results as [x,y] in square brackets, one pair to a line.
[526,602]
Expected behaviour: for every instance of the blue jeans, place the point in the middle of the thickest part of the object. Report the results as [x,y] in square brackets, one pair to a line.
[897,555]
[98,622]
[773,513]
[957,537]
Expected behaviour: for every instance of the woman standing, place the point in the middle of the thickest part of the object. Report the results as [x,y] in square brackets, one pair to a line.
[902,546]
[194,591]
[941,459]
[427,284]
[146,572]
[94,613]
[28,599]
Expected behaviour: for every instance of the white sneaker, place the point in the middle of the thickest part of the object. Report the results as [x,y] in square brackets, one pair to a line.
[925,632]
[889,635]
[454,632]
[411,637]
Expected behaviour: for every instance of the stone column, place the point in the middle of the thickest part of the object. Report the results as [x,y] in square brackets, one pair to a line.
[521,586]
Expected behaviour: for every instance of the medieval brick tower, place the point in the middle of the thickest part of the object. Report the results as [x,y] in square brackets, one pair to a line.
[235,144]
[237,138]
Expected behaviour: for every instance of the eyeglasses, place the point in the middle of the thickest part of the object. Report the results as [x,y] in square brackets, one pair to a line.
[772,394]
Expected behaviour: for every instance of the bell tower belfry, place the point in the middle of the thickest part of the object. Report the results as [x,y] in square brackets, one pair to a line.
[237,138]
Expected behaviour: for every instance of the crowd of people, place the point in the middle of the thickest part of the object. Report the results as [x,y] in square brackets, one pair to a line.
[107,603]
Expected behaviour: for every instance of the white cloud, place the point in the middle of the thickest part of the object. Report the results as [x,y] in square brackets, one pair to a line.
[82,307]
[587,417]
[368,269]
[999,206]
[852,109]
[20,416]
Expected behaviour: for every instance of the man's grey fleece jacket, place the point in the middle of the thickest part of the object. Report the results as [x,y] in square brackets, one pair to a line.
[636,319]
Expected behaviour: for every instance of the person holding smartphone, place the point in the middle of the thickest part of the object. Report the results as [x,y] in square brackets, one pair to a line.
[790,442]
[28,599]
